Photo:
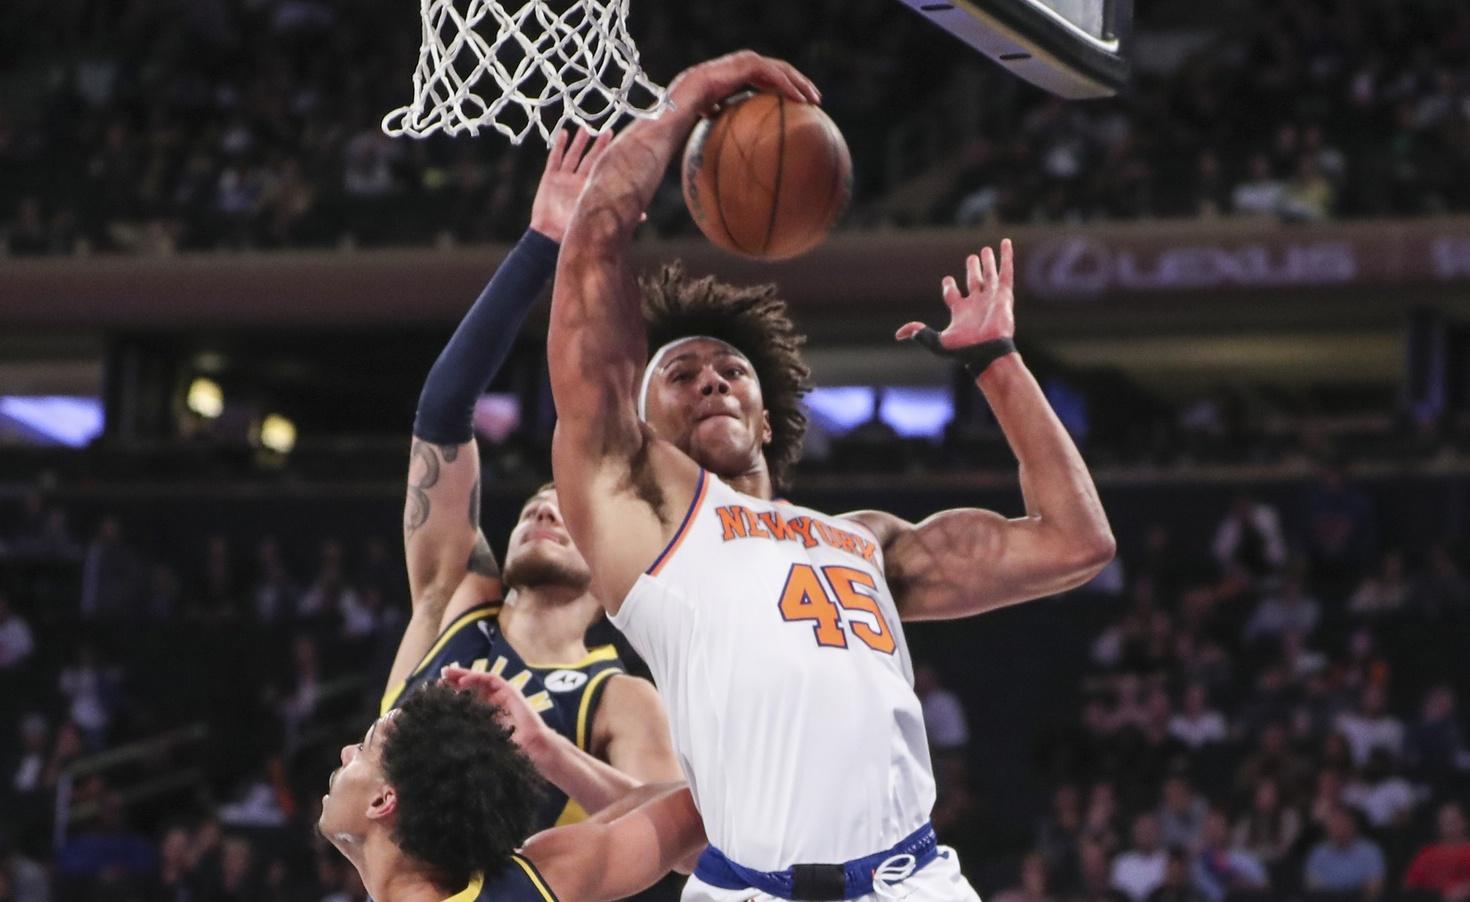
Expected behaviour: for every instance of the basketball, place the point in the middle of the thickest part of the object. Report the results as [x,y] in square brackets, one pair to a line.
[767,177]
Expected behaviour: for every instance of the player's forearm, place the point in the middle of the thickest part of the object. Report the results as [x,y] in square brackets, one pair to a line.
[1057,486]
[624,181]
[593,784]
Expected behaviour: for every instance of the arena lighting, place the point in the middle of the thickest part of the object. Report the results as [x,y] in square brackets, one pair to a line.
[277,433]
[205,398]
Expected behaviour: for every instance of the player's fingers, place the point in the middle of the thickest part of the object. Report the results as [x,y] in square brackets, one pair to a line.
[573,158]
[772,75]
[974,279]
[949,289]
[908,331]
[808,88]
[595,151]
[558,150]
[987,269]
[1007,264]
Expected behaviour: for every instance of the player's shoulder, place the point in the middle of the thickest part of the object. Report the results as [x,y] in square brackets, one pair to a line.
[519,881]
[884,526]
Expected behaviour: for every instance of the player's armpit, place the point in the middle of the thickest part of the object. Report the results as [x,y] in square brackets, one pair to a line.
[968,561]
[631,731]
[604,861]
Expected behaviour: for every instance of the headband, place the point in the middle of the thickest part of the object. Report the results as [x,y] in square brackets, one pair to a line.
[658,358]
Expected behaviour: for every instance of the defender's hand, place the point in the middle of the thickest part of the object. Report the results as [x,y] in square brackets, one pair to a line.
[700,87]
[527,728]
[566,172]
[986,311]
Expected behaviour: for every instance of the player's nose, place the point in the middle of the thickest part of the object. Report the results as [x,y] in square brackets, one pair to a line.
[546,513]
[710,381]
[346,755]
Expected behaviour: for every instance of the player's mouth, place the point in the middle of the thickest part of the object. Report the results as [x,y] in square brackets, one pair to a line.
[545,535]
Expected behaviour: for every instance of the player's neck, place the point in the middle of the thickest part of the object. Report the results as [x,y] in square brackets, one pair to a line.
[755,483]
[390,876]
[545,626]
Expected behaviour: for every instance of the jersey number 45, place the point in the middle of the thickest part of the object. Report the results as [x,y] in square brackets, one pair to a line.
[807,597]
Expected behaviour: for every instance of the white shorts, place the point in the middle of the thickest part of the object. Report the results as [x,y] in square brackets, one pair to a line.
[939,881]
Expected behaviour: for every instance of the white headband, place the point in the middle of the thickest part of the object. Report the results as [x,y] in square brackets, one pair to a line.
[658,358]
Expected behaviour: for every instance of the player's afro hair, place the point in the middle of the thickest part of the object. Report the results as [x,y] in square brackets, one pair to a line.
[466,794]
[754,320]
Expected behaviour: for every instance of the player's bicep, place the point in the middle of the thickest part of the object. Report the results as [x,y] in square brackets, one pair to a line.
[968,561]
[441,521]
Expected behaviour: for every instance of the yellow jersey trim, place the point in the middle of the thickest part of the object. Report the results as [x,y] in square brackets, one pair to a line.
[586,707]
[595,656]
[535,876]
[471,892]
[480,612]
[571,814]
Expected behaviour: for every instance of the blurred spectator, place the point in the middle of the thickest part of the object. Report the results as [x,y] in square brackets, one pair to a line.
[28,881]
[944,715]
[108,848]
[1221,870]
[1198,725]
[1269,829]
[1442,589]
[1261,193]
[1181,814]
[109,574]
[275,596]
[1275,759]
[16,641]
[1345,862]
[1371,726]
[329,593]
[1034,885]
[164,596]
[1435,748]
[1382,593]
[1341,533]
[1249,544]
[92,692]
[1309,195]
[1382,796]
[27,772]
[1097,877]
[1178,883]
[1443,866]
[1288,610]
[1140,870]
[1060,835]
[300,703]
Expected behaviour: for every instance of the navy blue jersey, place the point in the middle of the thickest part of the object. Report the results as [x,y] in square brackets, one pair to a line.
[519,882]
[565,695]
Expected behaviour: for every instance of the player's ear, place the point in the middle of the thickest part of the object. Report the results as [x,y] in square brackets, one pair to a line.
[383,804]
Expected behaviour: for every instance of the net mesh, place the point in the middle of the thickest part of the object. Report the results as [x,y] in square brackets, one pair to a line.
[577,67]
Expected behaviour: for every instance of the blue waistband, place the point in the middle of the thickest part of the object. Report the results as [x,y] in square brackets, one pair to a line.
[857,875]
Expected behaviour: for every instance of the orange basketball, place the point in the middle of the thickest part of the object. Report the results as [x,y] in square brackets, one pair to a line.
[767,176]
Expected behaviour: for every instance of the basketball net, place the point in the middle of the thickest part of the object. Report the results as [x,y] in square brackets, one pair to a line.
[578,67]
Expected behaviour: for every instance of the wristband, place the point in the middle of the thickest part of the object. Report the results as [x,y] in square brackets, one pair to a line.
[975,358]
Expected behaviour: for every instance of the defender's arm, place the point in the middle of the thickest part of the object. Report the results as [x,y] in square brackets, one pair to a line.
[449,562]
[962,562]
[613,860]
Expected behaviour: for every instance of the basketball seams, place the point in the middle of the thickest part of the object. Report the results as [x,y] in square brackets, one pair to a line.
[780,171]
[720,137]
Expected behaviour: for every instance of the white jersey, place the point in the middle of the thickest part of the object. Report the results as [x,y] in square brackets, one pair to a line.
[776,646]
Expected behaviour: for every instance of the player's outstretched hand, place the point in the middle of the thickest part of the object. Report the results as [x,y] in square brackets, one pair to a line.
[530,732]
[986,311]
[706,84]
[566,172]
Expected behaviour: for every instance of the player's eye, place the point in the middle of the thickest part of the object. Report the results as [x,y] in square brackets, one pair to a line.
[734,372]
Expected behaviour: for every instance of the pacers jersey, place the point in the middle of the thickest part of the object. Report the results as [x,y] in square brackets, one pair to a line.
[519,882]
[565,695]
[775,643]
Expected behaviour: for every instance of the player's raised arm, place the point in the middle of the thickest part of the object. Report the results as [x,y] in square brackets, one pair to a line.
[596,345]
[598,860]
[962,562]
[441,513]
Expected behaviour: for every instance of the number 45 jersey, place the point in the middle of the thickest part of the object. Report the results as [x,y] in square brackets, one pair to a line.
[776,646]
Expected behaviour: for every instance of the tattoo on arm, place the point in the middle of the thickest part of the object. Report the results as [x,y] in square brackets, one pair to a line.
[417,512]
[482,559]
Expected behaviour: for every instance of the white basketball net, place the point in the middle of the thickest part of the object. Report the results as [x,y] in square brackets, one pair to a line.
[578,67]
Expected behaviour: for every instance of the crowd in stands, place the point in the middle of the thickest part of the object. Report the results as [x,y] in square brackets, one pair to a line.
[1276,716]
[143,126]
[1274,711]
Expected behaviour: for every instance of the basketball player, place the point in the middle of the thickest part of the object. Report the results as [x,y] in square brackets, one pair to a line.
[529,624]
[773,631]
[434,802]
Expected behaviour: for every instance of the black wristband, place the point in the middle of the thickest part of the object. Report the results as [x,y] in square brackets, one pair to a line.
[974,358]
